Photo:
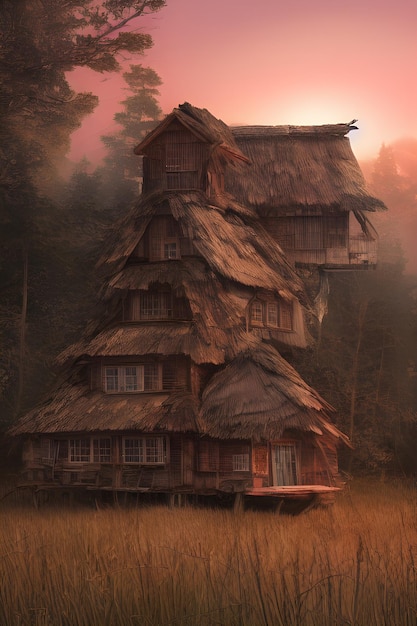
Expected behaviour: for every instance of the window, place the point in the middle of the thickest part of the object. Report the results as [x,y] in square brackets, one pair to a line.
[145,450]
[153,376]
[133,378]
[124,379]
[170,250]
[240,462]
[272,314]
[257,312]
[155,305]
[79,450]
[89,450]
[101,450]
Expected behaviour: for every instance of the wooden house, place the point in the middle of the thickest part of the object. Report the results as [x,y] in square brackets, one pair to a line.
[309,191]
[181,388]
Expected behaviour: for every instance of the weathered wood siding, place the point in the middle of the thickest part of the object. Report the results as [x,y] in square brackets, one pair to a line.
[163,229]
[175,373]
[175,160]
[322,239]
[202,465]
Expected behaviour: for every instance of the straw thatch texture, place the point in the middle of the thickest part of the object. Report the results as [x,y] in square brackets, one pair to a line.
[203,125]
[74,408]
[260,396]
[218,313]
[300,167]
[229,243]
[156,339]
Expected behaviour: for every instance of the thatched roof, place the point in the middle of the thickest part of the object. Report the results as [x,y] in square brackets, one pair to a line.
[74,408]
[203,125]
[300,166]
[152,339]
[257,396]
[260,396]
[229,242]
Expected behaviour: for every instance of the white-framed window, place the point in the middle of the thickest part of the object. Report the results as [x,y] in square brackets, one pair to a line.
[133,378]
[79,450]
[89,450]
[145,450]
[171,250]
[272,314]
[124,379]
[240,462]
[101,450]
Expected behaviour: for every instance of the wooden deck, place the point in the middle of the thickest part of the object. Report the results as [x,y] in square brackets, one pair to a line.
[292,491]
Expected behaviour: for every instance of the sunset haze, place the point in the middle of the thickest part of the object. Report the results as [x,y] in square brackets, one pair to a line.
[276,63]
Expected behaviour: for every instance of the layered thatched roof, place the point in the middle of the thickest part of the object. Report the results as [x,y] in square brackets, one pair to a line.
[203,125]
[260,396]
[213,345]
[75,408]
[300,166]
[225,238]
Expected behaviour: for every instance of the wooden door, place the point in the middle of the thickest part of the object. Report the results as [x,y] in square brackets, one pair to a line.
[284,464]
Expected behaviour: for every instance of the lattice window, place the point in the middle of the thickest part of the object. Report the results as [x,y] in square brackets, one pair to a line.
[171,250]
[272,314]
[79,450]
[145,450]
[256,312]
[102,450]
[124,379]
[240,462]
[145,377]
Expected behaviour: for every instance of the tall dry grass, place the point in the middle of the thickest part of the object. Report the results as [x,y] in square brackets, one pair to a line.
[354,563]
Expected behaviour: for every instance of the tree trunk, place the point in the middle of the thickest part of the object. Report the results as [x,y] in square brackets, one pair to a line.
[22,334]
[355,366]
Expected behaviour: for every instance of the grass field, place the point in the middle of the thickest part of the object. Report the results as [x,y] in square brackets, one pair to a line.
[353,563]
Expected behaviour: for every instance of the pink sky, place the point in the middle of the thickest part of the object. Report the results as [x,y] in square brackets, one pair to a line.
[277,62]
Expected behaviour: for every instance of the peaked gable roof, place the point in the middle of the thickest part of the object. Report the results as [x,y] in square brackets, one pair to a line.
[203,125]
